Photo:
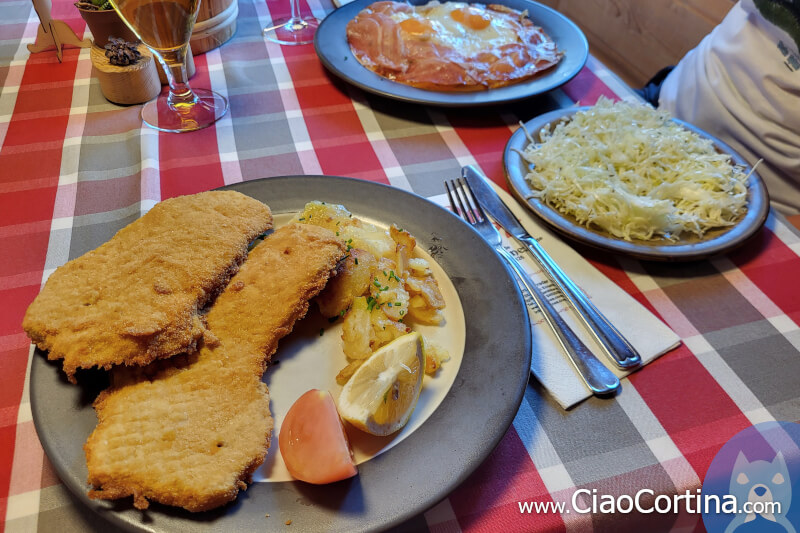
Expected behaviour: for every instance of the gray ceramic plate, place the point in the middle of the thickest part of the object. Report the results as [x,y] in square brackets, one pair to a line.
[392,487]
[686,249]
[333,50]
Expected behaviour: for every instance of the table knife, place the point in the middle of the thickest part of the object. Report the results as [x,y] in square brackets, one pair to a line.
[614,345]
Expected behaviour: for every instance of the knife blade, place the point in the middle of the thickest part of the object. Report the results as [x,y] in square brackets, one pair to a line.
[614,345]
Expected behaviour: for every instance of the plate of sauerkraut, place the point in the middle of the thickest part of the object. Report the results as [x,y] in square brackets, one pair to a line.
[628,178]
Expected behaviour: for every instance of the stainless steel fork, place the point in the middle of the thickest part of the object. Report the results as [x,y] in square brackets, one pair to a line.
[598,378]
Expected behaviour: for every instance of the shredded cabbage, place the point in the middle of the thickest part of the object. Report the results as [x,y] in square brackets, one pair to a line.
[631,171]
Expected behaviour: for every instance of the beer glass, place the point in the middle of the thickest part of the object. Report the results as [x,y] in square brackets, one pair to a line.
[165,26]
[294,30]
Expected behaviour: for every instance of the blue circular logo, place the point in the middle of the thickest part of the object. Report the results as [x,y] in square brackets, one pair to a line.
[754,480]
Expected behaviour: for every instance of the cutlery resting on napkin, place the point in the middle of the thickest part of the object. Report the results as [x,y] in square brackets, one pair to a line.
[614,345]
[648,335]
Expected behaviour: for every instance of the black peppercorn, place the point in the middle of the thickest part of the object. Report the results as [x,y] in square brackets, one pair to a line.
[122,53]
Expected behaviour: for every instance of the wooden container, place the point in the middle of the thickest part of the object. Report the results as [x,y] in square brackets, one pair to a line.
[105,24]
[216,23]
[132,84]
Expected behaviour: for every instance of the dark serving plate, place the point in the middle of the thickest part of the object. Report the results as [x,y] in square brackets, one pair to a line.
[330,43]
[392,487]
[688,248]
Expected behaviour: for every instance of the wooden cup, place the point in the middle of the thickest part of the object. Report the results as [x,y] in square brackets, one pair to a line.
[131,84]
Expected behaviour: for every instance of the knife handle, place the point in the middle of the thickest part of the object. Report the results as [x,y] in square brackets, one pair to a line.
[615,346]
[599,379]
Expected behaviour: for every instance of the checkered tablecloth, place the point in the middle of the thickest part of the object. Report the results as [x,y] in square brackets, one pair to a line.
[73,165]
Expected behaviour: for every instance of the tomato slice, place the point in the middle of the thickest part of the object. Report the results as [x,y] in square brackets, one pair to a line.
[312,440]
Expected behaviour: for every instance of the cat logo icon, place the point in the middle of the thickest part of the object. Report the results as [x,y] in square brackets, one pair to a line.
[753,480]
[760,483]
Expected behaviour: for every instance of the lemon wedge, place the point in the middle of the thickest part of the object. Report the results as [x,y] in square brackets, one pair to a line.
[380,397]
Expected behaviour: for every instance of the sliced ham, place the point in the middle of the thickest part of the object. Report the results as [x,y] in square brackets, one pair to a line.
[381,45]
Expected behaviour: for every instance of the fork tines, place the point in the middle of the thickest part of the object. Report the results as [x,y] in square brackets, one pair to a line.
[469,207]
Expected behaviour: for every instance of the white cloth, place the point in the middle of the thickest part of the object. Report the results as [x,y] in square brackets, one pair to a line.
[742,85]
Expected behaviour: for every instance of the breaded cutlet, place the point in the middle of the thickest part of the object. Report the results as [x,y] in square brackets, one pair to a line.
[190,431]
[137,297]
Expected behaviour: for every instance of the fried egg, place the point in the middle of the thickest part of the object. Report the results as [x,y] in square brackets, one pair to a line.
[451,46]
[471,29]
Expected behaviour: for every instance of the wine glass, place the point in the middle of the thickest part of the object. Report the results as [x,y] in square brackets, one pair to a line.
[165,26]
[292,30]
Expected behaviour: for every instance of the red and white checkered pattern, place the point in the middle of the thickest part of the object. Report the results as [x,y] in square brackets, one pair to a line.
[72,165]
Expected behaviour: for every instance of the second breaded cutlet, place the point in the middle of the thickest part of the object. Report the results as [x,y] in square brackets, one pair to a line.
[137,297]
[190,431]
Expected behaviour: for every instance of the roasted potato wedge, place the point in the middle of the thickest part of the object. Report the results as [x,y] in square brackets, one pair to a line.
[352,279]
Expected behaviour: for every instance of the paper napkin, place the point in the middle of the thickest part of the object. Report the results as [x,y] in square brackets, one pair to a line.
[649,335]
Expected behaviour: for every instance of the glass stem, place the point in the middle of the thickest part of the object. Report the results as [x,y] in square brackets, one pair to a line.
[295,5]
[174,64]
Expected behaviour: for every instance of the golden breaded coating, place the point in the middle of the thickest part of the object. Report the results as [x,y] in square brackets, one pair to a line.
[136,298]
[191,430]
[260,306]
[189,438]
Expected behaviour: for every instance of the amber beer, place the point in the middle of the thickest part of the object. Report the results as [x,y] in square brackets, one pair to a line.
[165,25]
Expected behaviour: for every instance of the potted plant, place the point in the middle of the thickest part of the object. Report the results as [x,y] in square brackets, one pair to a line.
[103,21]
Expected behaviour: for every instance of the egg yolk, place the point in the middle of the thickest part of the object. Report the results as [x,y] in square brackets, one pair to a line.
[414,26]
[471,18]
